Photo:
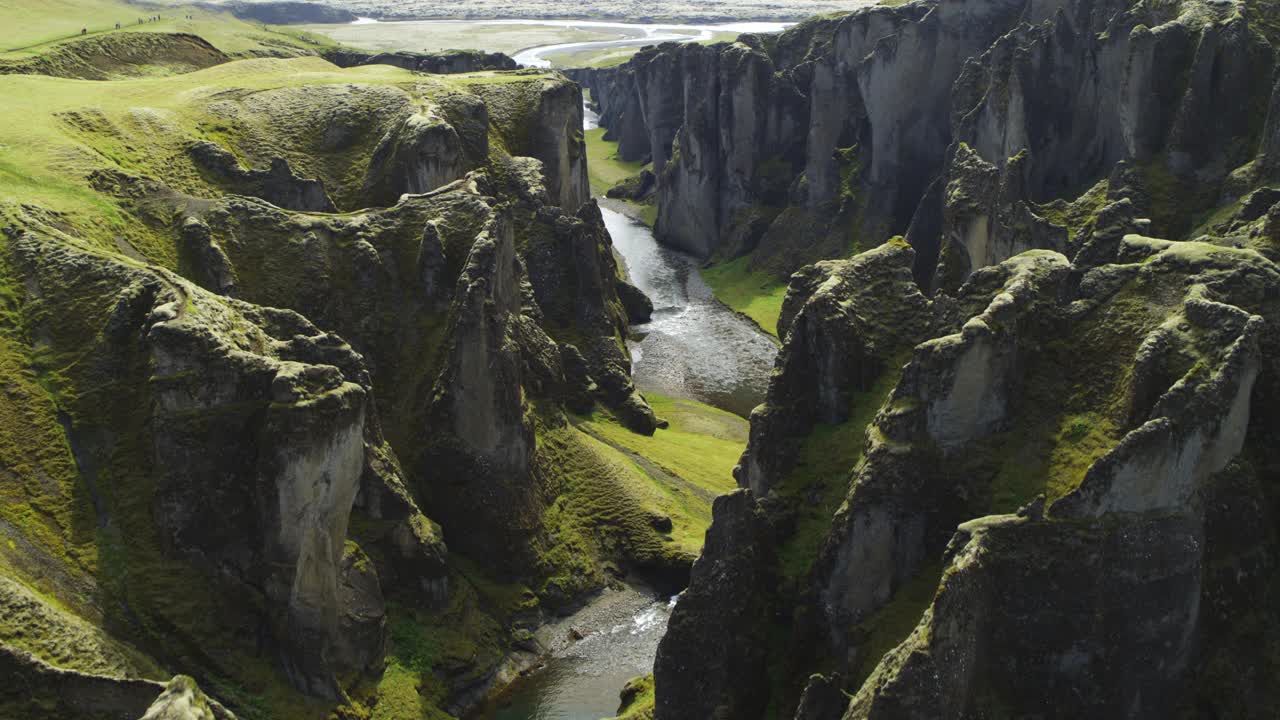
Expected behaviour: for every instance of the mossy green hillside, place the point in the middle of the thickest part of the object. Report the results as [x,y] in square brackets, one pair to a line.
[55,133]
[33,28]
[604,168]
[887,627]
[644,501]
[78,526]
[1071,410]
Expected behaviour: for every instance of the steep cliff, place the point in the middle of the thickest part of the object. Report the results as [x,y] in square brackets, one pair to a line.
[845,130]
[993,472]
[233,407]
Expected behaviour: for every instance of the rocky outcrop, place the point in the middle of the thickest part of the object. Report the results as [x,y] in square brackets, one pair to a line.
[798,147]
[437,63]
[713,661]
[614,96]
[277,185]
[956,389]
[419,155]
[220,370]
[1073,620]
[486,448]
[1114,405]
[846,323]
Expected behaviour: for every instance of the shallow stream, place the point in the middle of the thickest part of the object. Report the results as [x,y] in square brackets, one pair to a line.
[694,347]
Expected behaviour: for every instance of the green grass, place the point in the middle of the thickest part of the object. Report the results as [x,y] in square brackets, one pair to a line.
[754,293]
[640,699]
[54,132]
[28,23]
[604,168]
[620,479]
[701,446]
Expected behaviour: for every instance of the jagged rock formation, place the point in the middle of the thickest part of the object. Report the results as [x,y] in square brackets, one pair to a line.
[994,469]
[439,63]
[277,185]
[713,660]
[812,129]
[219,370]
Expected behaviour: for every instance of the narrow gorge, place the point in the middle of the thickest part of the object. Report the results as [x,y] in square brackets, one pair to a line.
[915,361]
[1013,461]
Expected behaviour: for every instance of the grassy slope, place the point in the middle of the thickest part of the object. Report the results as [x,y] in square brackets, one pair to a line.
[54,132]
[34,27]
[605,169]
[677,471]
[756,294]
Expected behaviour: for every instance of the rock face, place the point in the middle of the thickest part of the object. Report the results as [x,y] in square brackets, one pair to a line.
[1131,442]
[1019,435]
[812,129]
[183,700]
[713,659]
[277,185]
[436,63]
[221,370]
[846,323]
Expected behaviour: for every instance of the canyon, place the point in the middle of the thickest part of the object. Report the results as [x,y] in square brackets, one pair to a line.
[1022,400]
[942,385]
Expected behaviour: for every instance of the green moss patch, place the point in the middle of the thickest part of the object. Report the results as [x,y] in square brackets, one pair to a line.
[638,699]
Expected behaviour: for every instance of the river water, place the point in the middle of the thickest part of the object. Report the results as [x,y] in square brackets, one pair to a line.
[642,34]
[694,347]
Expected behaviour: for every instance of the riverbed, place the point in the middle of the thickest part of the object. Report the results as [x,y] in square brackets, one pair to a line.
[693,347]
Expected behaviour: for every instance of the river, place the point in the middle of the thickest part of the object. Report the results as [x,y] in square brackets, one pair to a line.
[632,34]
[694,347]
[643,34]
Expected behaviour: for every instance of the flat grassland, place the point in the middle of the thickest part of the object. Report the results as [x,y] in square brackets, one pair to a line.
[620,10]
[432,35]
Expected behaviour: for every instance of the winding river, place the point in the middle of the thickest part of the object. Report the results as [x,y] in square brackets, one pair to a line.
[694,347]
[643,34]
